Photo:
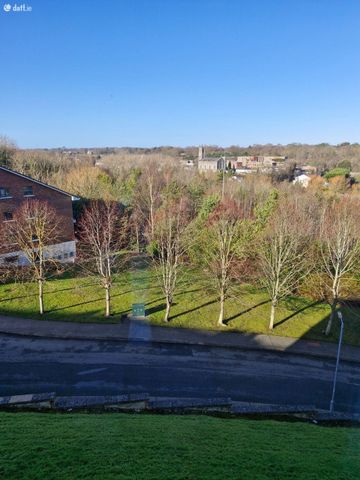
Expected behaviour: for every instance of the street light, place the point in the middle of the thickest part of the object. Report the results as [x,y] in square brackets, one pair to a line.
[337,361]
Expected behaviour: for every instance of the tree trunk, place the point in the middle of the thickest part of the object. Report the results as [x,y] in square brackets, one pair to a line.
[167,311]
[221,314]
[41,297]
[151,215]
[272,315]
[137,240]
[332,317]
[107,301]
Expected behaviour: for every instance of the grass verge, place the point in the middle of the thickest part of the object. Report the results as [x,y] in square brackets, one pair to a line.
[118,446]
[82,300]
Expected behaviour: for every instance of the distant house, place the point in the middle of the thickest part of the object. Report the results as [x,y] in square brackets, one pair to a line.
[241,165]
[308,169]
[15,189]
[206,164]
[302,180]
[259,163]
[187,164]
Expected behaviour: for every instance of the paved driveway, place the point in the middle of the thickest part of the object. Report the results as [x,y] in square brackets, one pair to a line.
[81,367]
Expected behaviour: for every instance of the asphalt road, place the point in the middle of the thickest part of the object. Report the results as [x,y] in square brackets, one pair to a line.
[79,367]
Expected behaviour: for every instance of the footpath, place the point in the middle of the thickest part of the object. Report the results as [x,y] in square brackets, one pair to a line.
[141,330]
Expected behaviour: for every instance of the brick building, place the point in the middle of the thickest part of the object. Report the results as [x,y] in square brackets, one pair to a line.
[15,188]
[259,163]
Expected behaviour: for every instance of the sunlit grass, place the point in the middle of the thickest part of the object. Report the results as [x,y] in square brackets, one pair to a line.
[82,300]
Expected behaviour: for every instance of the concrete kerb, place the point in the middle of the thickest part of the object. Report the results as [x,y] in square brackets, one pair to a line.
[30,400]
[143,402]
[262,342]
[138,400]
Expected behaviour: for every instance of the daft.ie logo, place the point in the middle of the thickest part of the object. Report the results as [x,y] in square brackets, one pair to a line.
[17,8]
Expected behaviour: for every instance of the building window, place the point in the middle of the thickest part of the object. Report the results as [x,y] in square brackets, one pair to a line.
[28,191]
[34,237]
[4,192]
[71,254]
[8,216]
[66,255]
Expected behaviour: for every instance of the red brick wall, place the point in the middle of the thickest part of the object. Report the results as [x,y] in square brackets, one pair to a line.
[62,204]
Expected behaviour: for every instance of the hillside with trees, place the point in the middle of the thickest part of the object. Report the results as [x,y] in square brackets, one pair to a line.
[227,237]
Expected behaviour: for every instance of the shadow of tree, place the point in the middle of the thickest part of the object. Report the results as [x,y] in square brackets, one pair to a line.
[227,320]
[156,308]
[20,297]
[124,313]
[75,305]
[48,292]
[277,324]
[78,287]
[189,291]
[198,307]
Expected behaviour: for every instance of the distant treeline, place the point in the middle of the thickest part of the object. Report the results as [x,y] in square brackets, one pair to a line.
[323,155]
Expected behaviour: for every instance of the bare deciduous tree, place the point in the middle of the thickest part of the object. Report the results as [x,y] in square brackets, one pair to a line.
[34,231]
[101,230]
[137,227]
[221,247]
[148,196]
[339,247]
[171,244]
[284,251]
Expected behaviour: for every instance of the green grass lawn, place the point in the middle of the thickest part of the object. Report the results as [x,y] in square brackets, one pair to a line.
[119,446]
[81,299]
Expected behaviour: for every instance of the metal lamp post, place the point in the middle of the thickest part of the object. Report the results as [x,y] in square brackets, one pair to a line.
[337,361]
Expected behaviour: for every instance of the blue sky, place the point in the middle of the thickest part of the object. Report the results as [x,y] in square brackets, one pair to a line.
[180,72]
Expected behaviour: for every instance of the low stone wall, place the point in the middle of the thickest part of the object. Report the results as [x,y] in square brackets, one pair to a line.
[144,403]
